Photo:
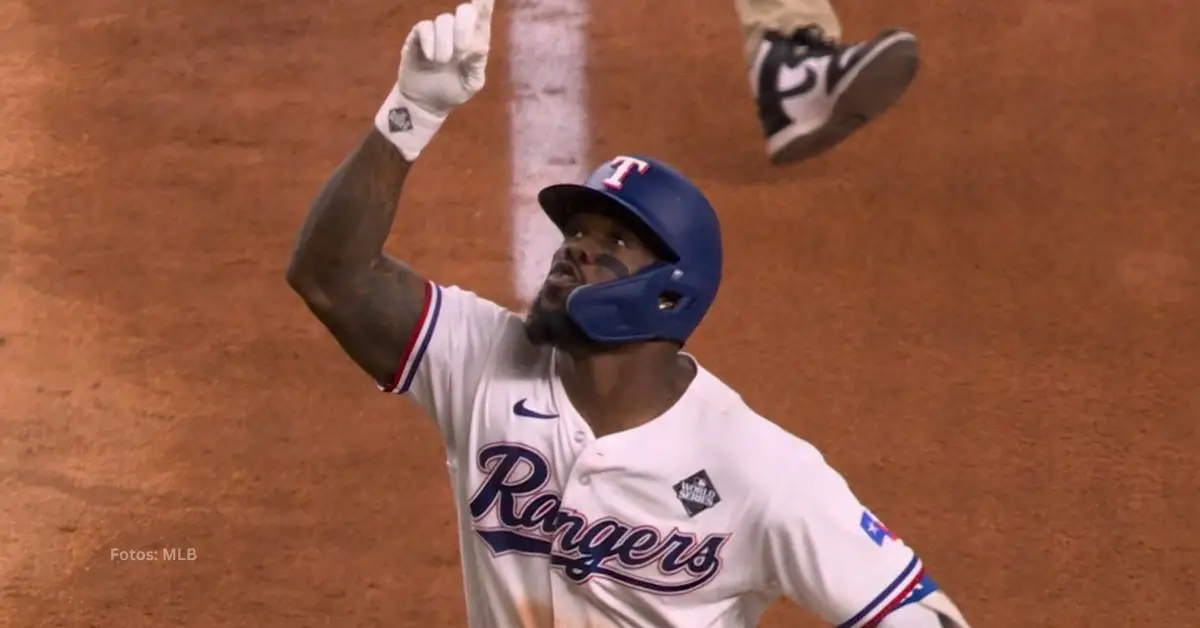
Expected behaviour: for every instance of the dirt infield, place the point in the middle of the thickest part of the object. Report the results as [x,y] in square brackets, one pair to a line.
[985,309]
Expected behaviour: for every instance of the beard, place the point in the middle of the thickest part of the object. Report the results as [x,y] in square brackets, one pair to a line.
[553,327]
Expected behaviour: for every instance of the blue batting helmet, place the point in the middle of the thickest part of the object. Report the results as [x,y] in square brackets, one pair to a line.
[668,299]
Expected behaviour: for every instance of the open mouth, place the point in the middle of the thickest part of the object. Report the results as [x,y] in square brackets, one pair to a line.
[564,274]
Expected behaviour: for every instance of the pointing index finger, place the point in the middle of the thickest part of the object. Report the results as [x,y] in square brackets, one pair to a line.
[483,13]
[464,26]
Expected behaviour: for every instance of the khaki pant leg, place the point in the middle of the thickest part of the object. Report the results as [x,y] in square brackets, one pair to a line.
[757,16]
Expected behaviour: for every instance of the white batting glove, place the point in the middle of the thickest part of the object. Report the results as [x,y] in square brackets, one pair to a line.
[442,66]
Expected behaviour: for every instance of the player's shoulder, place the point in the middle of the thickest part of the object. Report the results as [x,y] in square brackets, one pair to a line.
[785,476]
[768,446]
[467,302]
[460,306]
[742,433]
[511,352]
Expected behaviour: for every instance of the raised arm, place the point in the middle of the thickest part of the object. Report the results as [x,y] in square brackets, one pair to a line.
[369,301]
[374,305]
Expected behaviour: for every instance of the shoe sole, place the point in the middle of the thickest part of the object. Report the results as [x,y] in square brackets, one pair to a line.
[880,84]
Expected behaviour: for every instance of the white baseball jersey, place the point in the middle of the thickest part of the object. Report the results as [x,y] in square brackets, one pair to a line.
[699,518]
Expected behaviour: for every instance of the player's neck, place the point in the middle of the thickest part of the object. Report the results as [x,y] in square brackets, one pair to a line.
[616,391]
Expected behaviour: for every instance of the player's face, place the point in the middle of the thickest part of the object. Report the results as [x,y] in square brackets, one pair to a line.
[596,248]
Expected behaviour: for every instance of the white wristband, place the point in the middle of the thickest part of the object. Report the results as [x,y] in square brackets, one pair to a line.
[407,125]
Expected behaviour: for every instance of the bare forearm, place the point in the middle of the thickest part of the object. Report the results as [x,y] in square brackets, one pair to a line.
[367,300]
[371,303]
[349,221]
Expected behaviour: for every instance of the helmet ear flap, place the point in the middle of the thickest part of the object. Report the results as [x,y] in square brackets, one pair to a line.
[670,300]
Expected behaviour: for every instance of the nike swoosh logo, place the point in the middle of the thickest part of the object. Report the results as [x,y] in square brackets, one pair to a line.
[798,73]
[791,85]
[844,64]
[519,409]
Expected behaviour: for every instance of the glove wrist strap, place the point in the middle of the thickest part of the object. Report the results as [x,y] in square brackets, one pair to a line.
[406,124]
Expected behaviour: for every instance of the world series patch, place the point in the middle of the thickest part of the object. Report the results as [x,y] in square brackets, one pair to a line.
[697,493]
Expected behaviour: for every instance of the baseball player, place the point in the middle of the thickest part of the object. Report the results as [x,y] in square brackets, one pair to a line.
[813,92]
[602,476]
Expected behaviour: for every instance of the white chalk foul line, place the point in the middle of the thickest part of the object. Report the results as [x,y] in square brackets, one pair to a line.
[549,124]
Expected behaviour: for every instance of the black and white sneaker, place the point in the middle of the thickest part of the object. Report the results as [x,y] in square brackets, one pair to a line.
[813,93]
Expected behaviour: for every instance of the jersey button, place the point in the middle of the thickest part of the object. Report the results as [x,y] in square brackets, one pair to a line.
[579,436]
[585,480]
